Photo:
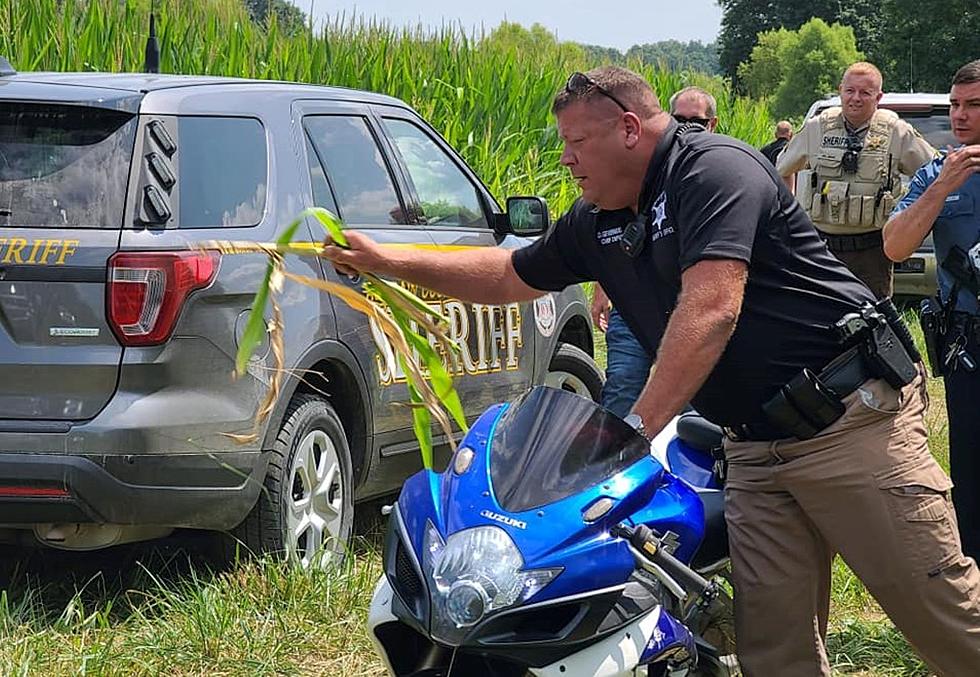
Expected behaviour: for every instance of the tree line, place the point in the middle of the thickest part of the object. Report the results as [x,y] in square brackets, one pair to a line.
[917,44]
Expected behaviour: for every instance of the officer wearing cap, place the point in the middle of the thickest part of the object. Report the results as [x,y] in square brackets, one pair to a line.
[944,197]
[849,161]
[717,270]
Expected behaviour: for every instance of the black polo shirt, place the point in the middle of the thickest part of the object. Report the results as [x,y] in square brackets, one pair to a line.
[772,150]
[710,196]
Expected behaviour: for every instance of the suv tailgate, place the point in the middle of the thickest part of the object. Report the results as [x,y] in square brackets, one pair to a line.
[64,168]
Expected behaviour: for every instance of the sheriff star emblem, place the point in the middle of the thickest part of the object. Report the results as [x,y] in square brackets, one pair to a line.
[659,211]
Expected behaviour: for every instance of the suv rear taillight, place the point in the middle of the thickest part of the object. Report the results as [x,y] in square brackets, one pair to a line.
[147,291]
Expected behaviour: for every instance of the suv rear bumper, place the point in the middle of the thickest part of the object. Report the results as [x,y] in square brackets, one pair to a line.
[202,491]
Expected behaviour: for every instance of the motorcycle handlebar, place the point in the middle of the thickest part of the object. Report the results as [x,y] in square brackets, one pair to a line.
[646,542]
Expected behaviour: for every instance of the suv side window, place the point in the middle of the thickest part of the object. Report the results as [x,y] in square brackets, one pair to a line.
[447,196]
[355,169]
[223,171]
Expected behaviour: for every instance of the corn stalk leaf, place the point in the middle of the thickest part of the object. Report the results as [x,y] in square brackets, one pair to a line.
[442,382]
[255,328]
[401,296]
[421,421]
[330,223]
[398,314]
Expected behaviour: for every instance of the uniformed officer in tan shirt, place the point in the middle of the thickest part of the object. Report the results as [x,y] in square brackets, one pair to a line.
[848,162]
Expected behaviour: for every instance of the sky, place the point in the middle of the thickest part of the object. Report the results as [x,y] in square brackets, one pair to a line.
[587,21]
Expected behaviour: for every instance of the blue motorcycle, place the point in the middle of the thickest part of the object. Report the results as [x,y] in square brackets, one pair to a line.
[558,541]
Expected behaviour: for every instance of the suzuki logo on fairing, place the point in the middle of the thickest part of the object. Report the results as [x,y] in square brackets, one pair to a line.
[503,519]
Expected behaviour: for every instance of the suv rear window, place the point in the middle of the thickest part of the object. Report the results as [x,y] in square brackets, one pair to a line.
[64,166]
[222,172]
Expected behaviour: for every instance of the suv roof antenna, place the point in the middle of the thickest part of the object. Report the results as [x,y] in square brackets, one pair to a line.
[152,59]
[6,68]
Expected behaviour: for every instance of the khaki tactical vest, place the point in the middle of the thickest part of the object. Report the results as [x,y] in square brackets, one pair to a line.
[841,202]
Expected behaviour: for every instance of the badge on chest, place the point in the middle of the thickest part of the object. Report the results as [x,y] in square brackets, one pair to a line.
[648,226]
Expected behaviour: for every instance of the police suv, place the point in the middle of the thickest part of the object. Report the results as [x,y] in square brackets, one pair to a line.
[118,333]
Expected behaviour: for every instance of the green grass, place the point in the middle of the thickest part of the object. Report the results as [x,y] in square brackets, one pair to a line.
[175,615]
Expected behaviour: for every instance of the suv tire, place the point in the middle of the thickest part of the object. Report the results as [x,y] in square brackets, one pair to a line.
[305,510]
[572,369]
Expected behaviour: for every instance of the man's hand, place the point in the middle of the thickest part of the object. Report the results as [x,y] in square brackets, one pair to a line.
[959,165]
[362,254]
[600,308]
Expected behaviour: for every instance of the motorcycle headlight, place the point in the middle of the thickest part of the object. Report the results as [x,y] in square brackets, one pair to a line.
[475,572]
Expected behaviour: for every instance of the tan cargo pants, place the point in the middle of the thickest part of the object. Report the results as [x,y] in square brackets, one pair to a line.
[866,488]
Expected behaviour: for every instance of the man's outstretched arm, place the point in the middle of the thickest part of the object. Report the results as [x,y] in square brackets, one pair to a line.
[478,275]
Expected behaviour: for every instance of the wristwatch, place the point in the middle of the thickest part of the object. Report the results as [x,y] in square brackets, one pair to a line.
[635,421]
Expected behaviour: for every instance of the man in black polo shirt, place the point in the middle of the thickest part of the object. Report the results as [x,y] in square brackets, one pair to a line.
[784,132]
[728,283]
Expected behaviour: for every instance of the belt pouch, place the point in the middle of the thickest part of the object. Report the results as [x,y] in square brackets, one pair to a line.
[837,199]
[804,406]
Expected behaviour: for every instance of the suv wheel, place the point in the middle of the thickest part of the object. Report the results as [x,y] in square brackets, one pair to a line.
[306,510]
[572,369]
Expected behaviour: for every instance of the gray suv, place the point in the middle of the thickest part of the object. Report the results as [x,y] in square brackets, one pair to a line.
[118,334]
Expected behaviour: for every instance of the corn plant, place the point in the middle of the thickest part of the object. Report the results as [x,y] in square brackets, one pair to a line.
[430,387]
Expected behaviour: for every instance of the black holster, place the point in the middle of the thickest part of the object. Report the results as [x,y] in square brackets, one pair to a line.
[932,319]
[887,356]
[877,345]
[803,407]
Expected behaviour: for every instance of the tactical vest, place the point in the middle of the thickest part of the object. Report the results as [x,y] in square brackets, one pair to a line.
[843,202]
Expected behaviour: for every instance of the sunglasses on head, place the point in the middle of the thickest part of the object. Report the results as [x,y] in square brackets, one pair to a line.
[579,83]
[700,121]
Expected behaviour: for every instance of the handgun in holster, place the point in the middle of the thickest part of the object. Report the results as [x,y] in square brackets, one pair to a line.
[883,341]
[932,319]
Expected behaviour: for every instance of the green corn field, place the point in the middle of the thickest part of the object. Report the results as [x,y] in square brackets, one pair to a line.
[490,101]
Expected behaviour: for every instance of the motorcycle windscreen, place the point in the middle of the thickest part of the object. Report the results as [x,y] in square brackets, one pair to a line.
[552,444]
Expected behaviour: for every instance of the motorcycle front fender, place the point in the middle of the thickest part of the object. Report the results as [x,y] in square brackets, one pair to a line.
[379,613]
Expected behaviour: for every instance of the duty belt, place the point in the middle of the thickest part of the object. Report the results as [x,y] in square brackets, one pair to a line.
[842,376]
[853,243]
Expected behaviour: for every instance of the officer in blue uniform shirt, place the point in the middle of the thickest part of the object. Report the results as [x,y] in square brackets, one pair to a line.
[944,197]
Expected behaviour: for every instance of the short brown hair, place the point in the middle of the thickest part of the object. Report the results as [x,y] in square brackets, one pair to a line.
[864,68]
[710,105]
[635,92]
[968,73]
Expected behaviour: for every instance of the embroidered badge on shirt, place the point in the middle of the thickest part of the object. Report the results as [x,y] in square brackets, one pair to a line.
[658,214]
